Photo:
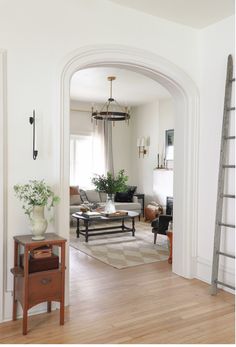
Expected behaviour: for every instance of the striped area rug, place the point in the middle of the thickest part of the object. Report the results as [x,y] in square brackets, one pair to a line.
[122,250]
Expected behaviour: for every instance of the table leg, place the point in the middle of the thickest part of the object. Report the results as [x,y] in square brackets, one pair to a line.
[86,231]
[49,306]
[63,266]
[170,237]
[14,311]
[25,313]
[133,226]
[77,229]
[26,289]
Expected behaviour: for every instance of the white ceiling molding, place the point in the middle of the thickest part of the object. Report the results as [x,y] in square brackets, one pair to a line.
[194,13]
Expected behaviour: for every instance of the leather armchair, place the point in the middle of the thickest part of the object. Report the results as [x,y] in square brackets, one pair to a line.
[160,225]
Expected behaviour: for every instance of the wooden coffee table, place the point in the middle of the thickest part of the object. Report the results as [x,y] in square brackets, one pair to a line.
[89,230]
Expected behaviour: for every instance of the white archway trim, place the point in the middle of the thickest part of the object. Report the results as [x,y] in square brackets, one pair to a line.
[186,98]
[3,177]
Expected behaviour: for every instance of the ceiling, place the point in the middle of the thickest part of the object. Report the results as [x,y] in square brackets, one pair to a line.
[129,88]
[193,13]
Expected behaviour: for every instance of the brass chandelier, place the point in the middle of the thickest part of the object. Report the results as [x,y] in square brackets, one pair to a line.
[111,110]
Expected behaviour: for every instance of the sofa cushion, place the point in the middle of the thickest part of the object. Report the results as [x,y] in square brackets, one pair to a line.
[128,206]
[126,196]
[93,195]
[75,200]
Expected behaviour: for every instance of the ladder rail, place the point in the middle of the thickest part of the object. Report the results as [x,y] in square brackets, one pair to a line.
[220,193]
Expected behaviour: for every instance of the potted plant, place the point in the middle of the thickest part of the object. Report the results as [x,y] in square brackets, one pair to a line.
[110,185]
[35,195]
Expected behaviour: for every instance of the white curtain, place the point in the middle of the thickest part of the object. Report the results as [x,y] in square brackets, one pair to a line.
[102,147]
[81,164]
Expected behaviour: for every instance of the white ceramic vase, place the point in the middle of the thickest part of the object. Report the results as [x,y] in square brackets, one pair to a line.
[38,223]
[110,206]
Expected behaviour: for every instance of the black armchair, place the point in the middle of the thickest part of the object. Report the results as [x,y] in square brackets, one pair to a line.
[160,225]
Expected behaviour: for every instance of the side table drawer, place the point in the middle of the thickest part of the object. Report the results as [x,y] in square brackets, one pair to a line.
[43,287]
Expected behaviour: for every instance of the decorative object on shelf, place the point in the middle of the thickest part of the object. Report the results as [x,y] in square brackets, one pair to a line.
[161,163]
[32,121]
[108,112]
[110,185]
[142,144]
[35,195]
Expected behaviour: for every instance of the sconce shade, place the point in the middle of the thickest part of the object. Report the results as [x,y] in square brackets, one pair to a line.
[142,142]
[138,142]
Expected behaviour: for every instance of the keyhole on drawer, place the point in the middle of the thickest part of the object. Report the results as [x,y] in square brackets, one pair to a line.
[46,280]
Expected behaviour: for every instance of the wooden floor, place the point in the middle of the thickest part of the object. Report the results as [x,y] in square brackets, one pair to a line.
[142,304]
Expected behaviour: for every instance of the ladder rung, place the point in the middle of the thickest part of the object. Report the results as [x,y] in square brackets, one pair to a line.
[227,255]
[228,166]
[226,225]
[228,196]
[229,137]
[231,109]
[233,80]
[225,284]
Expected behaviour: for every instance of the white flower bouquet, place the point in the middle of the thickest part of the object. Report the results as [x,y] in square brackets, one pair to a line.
[35,193]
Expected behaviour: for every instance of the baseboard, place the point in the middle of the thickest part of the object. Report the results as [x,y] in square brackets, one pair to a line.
[203,273]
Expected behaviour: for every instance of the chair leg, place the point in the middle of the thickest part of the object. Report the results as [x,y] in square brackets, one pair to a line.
[155,238]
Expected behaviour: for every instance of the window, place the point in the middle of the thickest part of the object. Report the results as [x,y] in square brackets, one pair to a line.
[81,161]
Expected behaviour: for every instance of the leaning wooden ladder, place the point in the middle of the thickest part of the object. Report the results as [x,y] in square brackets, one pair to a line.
[221,195]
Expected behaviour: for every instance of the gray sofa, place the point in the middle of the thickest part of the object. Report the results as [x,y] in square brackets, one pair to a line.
[78,197]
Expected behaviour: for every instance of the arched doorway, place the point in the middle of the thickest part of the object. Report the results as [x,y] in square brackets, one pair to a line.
[185,95]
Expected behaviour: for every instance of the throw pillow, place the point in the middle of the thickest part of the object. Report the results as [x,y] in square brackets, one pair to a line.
[83,196]
[75,200]
[74,190]
[126,196]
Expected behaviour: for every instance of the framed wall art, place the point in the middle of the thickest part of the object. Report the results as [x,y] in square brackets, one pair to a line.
[169,145]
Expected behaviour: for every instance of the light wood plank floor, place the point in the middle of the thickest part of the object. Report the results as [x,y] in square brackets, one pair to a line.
[142,304]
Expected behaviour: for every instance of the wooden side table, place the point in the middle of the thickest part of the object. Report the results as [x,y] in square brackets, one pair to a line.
[169,234]
[31,289]
[141,197]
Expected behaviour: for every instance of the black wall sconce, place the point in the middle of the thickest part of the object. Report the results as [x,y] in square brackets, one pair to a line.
[32,121]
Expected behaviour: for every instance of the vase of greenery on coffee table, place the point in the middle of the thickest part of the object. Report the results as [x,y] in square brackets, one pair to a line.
[110,184]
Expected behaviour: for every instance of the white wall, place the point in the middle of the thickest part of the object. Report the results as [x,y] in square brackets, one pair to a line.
[149,120]
[145,123]
[40,35]
[121,142]
[215,43]
[80,118]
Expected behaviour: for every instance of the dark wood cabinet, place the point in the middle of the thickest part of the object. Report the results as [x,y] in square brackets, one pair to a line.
[31,289]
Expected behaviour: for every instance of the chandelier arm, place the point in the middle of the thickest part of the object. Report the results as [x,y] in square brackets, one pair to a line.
[121,107]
